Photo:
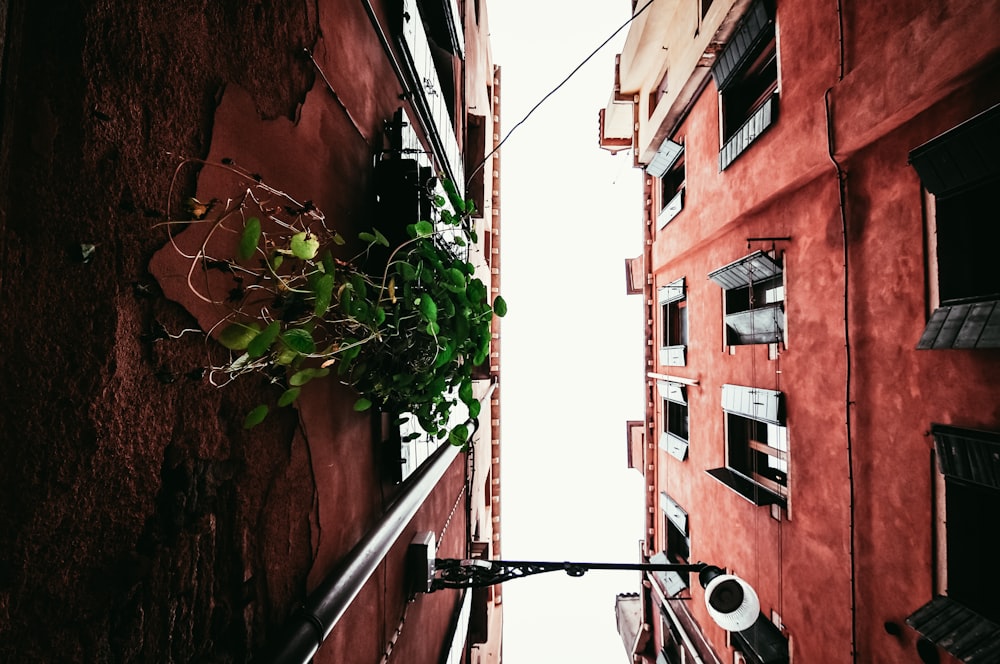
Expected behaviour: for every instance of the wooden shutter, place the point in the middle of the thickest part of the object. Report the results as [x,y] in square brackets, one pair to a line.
[754,402]
[665,158]
[758,266]
[959,630]
[961,158]
[973,325]
[969,455]
[758,122]
[755,26]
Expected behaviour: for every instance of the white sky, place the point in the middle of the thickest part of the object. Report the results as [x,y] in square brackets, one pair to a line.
[572,340]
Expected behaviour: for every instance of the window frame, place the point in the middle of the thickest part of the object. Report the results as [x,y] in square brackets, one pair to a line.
[958,172]
[673,395]
[673,187]
[765,407]
[967,483]
[753,324]
[750,55]
[676,517]
[672,300]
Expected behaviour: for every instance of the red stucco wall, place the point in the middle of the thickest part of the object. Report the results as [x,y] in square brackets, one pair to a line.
[786,185]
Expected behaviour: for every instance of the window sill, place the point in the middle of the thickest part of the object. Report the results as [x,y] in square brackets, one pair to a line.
[746,487]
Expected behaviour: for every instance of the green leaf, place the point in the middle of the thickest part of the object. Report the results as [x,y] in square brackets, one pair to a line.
[286,356]
[339,240]
[424,228]
[300,378]
[456,277]
[379,238]
[276,261]
[327,262]
[249,238]
[238,336]
[304,245]
[362,404]
[465,392]
[500,306]
[288,396]
[406,271]
[324,294]
[255,416]
[459,435]
[299,340]
[456,201]
[260,343]
[474,409]
[366,237]
[444,355]
[428,308]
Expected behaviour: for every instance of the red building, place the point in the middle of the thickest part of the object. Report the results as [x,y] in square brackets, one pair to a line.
[819,281]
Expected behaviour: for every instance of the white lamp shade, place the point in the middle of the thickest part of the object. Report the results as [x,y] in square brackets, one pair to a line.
[732,602]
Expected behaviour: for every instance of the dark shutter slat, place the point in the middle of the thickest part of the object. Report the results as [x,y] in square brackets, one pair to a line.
[969,455]
[952,324]
[962,326]
[933,328]
[962,157]
[973,326]
[990,337]
[753,27]
[959,630]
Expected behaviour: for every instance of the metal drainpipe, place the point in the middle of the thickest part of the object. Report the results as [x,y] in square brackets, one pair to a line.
[310,626]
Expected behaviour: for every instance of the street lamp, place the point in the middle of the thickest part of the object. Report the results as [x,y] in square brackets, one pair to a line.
[732,603]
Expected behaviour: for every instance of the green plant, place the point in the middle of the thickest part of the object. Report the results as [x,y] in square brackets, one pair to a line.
[405,334]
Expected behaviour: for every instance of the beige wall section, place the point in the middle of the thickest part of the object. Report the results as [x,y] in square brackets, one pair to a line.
[482,89]
[645,58]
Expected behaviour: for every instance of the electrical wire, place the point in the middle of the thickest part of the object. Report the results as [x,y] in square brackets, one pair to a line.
[551,92]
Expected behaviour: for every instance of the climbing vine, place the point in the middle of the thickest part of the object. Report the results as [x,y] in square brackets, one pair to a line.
[405,331]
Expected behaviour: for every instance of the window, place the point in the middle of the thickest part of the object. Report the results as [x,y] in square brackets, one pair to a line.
[969,461]
[675,521]
[676,542]
[746,75]
[755,300]
[759,450]
[668,165]
[671,193]
[674,437]
[673,324]
[671,650]
[761,643]
[756,445]
[658,93]
[959,171]
[429,70]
